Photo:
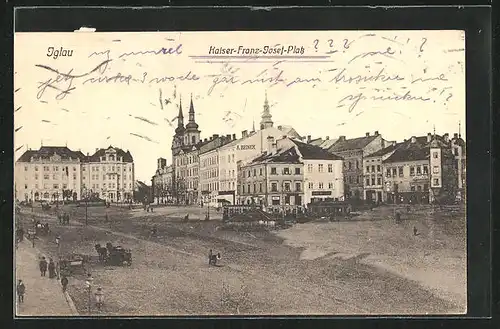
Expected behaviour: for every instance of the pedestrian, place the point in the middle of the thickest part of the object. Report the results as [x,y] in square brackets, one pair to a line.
[64,283]
[99,298]
[21,289]
[43,266]
[52,269]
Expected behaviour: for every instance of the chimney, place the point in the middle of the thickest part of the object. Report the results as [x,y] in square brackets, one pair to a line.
[429,137]
[367,134]
[413,139]
[234,136]
[445,137]
[342,138]
[308,138]
[280,127]
[205,140]
[211,138]
[270,142]
[376,132]
[393,143]
[228,136]
[88,154]
[327,137]
[215,136]
[455,135]
[244,134]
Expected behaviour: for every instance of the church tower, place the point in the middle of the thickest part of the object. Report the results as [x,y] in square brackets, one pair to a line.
[266,121]
[178,140]
[192,133]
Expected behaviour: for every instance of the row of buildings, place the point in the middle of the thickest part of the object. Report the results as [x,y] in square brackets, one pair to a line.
[56,173]
[276,167]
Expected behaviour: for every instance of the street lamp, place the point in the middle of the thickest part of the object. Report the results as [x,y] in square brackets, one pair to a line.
[88,286]
[58,243]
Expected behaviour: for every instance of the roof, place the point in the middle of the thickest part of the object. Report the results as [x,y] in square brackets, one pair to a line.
[352,144]
[288,155]
[313,152]
[289,131]
[189,148]
[414,151]
[46,152]
[385,150]
[317,141]
[127,157]
[327,143]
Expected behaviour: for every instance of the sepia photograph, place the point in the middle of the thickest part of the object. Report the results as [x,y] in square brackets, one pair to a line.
[246,173]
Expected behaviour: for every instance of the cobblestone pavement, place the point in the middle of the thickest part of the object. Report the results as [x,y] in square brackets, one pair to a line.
[44,296]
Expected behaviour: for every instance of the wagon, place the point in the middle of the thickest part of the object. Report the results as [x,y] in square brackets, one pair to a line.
[72,264]
[119,256]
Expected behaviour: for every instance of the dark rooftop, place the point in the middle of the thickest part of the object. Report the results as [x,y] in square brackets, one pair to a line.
[127,157]
[414,151]
[351,144]
[46,152]
[313,152]
[384,151]
[282,156]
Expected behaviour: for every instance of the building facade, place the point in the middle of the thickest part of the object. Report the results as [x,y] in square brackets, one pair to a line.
[162,182]
[352,151]
[57,173]
[422,170]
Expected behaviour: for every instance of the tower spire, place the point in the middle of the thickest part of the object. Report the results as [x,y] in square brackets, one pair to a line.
[180,118]
[192,125]
[459,128]
[266,121]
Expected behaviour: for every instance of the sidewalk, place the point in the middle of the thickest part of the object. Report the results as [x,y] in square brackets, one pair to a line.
[44,296]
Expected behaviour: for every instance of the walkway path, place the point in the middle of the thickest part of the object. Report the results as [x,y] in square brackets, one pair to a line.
[44,296]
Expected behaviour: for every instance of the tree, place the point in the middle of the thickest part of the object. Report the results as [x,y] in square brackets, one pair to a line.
[67,194]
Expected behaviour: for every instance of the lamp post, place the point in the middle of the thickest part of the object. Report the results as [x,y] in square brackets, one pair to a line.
[88,285]
[58,242]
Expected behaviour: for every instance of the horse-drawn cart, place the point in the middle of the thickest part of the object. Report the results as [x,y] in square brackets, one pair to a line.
[73,264]
[120,256]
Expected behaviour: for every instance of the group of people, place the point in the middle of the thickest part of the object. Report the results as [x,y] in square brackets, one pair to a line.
[63,218]
[51,266]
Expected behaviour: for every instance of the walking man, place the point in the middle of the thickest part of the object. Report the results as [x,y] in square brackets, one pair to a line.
[64,283]
[21,289]
[43,266]
[52,269]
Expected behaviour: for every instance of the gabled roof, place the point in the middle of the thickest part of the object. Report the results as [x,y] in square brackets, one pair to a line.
[352,144]
[313,152]
[384,151]
[327,143]
[415,151]
[46,152]
[96,157]
[316,142]
[288,155]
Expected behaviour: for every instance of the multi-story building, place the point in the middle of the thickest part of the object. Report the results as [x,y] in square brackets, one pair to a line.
[353,151]
[422,170]
[459,151]
[373,169]
[209,168]
[162,182]
[301,173]
[247,147]
[109,174]
[54,173]
[273,180]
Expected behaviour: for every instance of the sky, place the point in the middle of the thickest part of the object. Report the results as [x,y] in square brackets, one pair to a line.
[124,89]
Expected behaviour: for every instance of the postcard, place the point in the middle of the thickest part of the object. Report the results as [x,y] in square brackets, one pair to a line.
[245,173]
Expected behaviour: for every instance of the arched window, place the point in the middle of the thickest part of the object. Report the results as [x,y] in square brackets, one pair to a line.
[193,139]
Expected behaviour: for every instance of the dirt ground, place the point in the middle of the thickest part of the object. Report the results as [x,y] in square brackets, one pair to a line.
[260,272]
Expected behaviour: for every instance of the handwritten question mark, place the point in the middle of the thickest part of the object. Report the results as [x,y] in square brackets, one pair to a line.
[422,45]
[316,44]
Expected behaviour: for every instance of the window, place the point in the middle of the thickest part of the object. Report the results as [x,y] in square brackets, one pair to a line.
[368,182]
[436,181]
[330,167]
[54,176]
[412,171]
[400,171]
[74,176]
[419,170]
[286,171]
[435,170]
[74,168]
[388,172]
[320,167]
[36,176]
[394,172]
[260,171]
[25,186]
[435,155]
[367,168]
[297,187]
[274,187]
[373,168]
[45,176]
[254,172]
[260,187]
[426,170]
[350,165]
[45,168]
[378,168]
[350,179]
[309,168]
[419,188]
[311,185]
[273,170]
[320,186]
[330,185]
[287,187]
[297,171]
[36,168]
[56,168]
[25,168]
[412,188]
[357,164]
[357,179]
[56,186]
[379,181]
[373,180]
[254,188]
[249,173]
